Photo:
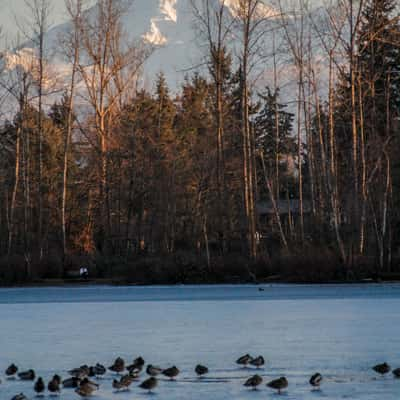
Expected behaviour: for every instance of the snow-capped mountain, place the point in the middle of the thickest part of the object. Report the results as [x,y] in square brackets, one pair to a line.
[169,25]
[166,24]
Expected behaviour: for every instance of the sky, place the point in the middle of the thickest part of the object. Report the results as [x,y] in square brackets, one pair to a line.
[13,10]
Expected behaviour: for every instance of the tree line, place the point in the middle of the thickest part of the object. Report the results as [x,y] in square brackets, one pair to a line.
[223,178]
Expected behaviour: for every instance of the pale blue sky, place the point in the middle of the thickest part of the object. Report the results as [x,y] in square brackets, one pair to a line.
[10,10]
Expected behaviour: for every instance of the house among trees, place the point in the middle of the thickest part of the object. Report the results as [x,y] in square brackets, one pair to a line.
[289,211]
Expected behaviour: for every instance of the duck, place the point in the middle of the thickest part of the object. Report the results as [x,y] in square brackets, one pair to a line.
[278,384]
[39,386]
[136,366]
[171,373]
[139,361]
[118,385]
[71,383]
[57,378]
[134,370]
[396,372]
[128,379]
[382,368]
[27,375]
[99,370]
[149,384]
[257,362]
[118,366]
[84,391]
[253,382]
[316,380]
[201,370]
[123,383]
[244,360]
[11,370]
[80,372]
[134,373]
[54,385]
[153,370]
[86,388]
[20,396]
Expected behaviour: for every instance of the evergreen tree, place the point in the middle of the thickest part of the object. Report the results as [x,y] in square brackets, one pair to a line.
[274,136]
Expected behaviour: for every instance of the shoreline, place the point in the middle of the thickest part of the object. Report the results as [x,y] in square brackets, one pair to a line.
[121,283]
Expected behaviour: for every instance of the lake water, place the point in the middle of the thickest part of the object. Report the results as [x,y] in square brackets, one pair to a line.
[338,330]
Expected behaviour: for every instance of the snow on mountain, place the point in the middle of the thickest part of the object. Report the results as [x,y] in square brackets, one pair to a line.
[169,26]
[166,24]
[263,10]
[168,9]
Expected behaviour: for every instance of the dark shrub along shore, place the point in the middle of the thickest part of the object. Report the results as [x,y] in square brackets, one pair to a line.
[188,268]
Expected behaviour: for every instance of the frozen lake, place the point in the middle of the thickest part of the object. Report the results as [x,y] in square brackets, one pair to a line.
[340,331]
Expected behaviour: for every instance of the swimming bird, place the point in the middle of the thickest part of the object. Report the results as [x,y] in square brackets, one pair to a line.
[278,384]
[11,370]
[39,386]
[71,383]
[201,370]
[171,373]
[149,384]
[382,368]
[396,372]
[27,375]
[316,380]
[20,396]
[253,382]
[257,362]
[118,366]
[54,385]
[153,370]
[244,360]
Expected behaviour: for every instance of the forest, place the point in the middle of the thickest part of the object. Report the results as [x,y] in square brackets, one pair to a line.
[222,179]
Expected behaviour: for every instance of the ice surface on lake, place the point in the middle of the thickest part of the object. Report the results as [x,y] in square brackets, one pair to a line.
[340,331]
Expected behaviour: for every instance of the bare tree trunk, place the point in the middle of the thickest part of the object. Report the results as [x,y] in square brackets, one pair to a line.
[40,11]
[333,173]
[206,243]
[115,68]
[300,155]
[16,184]
[75,12]
[364,193]
[274,205]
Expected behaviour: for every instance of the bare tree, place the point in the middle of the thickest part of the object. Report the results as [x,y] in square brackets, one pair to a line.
[215,29]
[16,81]
[71,44]
[108,67]
[39,14]
[250,23]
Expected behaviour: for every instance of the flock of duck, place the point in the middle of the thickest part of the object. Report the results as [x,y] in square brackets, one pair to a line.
[81,378]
